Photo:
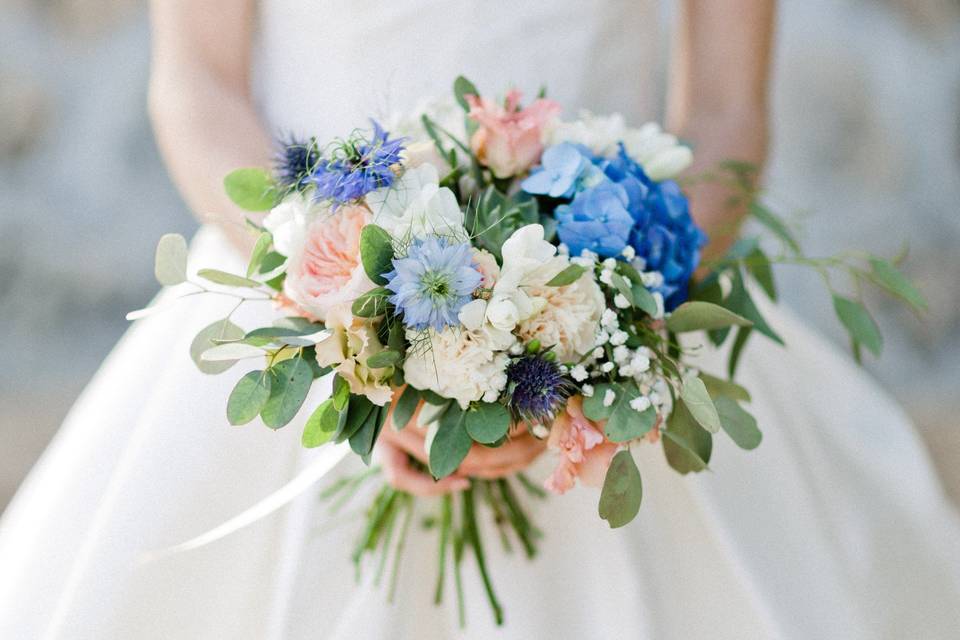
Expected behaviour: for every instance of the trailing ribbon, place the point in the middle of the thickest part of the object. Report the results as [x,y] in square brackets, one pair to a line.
[328,457]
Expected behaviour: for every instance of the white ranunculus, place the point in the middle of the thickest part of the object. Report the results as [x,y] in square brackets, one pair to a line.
[598,133]
[466,365]
[288,222]
[660,154]
[502,313]
[416,206]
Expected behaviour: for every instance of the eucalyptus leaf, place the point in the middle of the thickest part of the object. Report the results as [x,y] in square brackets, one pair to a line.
[643,299]
[405,407]
[717,387]
[889,277]
[593,407]
[462,88]
[695,396]
[248,397]
[858,323]
[703,316]
[759,267]
[251,189]
[451,444]
[383,359]
[170,260]
[231,352]
[568,276]
[625,423]
[341,393]
[743,334]
[227,279]
[739,425]
[260,249]
[209,337]
[624,287]
[366,436]
[740,301]
[687,446]
[321,425]
[371,304]
[487,422]
[768,219]
[289,387]
[354,417]
[622,491]
[376,253]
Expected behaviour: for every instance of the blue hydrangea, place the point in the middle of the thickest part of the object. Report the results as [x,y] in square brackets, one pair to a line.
[564,169]
[597,219]
[361,167]
[432,282]
[664,234]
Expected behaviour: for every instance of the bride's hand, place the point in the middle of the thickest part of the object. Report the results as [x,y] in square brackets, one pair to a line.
[482,462]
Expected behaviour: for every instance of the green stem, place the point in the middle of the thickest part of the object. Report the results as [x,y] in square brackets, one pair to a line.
[499,518]
[519,520]
[446,517]
[473,537]
[401,542]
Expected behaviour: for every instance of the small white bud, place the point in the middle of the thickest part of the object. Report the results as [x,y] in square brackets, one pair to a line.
[621,354]
[602,337]
[540,431]
[563,249]
[606,277]
[621,301]
[610,263]
[640,404]
[587,390]
[628,252]
[606,367]
[598,353]
[618,337]
[579,373]
[609,397]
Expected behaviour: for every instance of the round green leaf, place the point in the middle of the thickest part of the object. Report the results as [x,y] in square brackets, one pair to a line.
[622,491]
[382,359]
[450,445]
[251,189]
[170,260]
[698,315]
[487,422]
[698,401]
[227,279]
[289,386]
[371,304]
[625,423]
[739,425]
[405,407]
[568,276]
[376,252]
[858,323]
[248,397]
[209,337]
[321,425]
[593,407]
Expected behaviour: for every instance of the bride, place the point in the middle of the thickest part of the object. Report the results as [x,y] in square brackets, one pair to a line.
[834,528]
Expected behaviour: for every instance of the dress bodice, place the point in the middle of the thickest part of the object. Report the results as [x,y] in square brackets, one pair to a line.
[324,67]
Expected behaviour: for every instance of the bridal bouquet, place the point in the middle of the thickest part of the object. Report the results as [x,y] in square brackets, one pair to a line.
[484,269]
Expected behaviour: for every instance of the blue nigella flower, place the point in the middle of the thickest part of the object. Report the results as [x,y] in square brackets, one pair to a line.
[597,220]
[295,161]
[362,167]
[564,169]
[433,282]
[536,388]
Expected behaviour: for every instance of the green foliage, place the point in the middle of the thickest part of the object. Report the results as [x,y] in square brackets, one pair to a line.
[451,444]
[376,253]
[353,417]
[291,382]
[251,189]
[760,268]
[858,323]
[371,304]
[321,425]
[686,445]
[593,407]
[384,359]
[248,397]
[703,316]
[495,217]
[698,401]
[739,425]
[772,222]
[487,422]
[170,260]
[717,387]
[341,393]
[622,491]
[888,277]
[462,88]
[743,334]
[227,279]
[625,423]
[405,407]
[568,276]
[260,250]
[210,336]
[740,302]
[365,437]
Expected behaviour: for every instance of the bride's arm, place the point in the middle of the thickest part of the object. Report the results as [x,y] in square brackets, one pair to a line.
[718,98]
[200,102]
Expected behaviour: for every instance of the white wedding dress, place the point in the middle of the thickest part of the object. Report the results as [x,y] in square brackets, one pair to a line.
[835,527]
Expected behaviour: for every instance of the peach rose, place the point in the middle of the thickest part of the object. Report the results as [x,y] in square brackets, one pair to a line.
[324,269]
[585,452]
[510,140]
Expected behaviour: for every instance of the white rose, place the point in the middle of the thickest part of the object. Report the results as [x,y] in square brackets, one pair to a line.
[598,133]
[289,220]
[660,154]
[503,313]
[416,206]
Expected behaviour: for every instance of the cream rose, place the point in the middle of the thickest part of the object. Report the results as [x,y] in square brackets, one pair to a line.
[351,343]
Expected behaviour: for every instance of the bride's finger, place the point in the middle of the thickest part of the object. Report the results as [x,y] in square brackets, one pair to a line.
[516,454]
[400,475]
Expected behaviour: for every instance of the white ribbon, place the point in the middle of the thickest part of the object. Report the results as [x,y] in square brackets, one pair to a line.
[327,459]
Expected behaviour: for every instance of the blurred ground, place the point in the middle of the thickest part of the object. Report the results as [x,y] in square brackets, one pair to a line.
[866,108]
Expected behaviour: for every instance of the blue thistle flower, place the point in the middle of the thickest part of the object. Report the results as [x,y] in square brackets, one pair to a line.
[295,161]
[362,166]
[433,282]
[536,388]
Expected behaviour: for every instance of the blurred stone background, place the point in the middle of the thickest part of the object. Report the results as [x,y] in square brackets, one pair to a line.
[867,150]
